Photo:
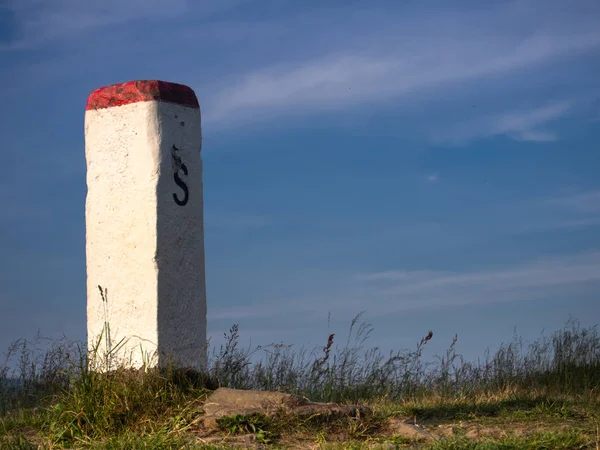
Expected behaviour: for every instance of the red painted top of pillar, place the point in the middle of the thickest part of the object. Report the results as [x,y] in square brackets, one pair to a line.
[142,91]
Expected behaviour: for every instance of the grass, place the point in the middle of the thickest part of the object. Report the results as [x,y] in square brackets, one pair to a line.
[545,395]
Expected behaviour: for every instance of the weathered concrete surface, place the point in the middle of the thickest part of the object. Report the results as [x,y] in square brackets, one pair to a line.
[225,402]
[145,224]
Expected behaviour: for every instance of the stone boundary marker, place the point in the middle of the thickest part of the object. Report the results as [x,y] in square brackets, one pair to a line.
[145,224]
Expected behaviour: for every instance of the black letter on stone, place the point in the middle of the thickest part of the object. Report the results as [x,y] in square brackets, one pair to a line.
[183,186]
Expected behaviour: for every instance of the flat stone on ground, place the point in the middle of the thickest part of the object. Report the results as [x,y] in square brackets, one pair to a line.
[226,402]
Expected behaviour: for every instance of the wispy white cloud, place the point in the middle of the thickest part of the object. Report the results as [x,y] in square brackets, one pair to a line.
[509,44]
[42,21]
[579,223]
[393,291]
[363,76]
[582,202]
[539,213]
[534,136]
[522,125]
[38,21]
[400,290]
[276,67]
[544,272]
[560,224]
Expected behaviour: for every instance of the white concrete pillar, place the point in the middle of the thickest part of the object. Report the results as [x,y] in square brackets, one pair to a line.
[144,223]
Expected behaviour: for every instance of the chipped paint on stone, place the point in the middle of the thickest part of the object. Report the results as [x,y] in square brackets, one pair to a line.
[144,229]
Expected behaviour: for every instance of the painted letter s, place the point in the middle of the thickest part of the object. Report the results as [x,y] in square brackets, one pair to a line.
[182,185]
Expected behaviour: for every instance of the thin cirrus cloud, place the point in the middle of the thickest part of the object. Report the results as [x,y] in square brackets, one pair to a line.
[371,57]
[39,22]
[522,125]
[582,202]
[399,290]
[391,291]
[535,136]
[543,272]
[43,22]
[343,78]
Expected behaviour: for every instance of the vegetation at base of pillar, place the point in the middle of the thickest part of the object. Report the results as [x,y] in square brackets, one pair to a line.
[539,395]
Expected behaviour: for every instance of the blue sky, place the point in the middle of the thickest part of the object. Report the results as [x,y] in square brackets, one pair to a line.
[434,164]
